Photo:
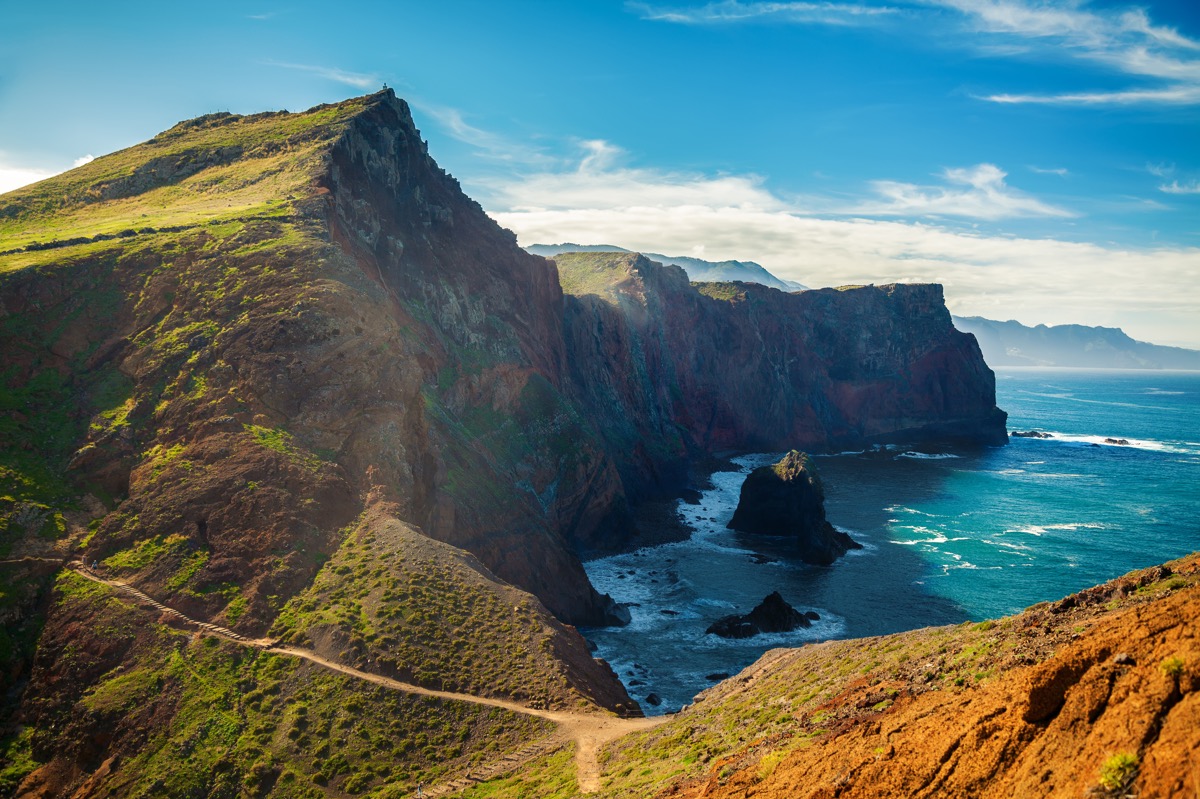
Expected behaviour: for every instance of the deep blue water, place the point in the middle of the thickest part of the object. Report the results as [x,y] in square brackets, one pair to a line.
[948,536]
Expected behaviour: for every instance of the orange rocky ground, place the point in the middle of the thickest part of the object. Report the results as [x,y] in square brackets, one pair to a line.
[1092,696]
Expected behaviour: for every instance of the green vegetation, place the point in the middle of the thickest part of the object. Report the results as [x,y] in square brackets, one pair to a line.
[598,273]
[1118,771]
[414,609]
[16,760]
[1172,666]
[282,442]
[726,292]
[222,719]
[146,552]
[551,777]
[213,169]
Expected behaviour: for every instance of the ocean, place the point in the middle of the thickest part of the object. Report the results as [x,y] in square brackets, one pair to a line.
[947,536]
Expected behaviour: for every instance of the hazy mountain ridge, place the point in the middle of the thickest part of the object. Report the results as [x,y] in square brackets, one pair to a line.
[1014,344]
[698,269]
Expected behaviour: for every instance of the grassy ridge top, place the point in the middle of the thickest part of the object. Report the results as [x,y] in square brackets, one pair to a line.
[209,169]
[598,273]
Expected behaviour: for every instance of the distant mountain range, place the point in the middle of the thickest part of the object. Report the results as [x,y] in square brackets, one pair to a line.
[1014,344]
[698,269]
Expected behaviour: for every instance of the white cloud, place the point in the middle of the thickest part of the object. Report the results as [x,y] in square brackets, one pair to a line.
[1152,293]
[487,144]
[732,11]
[1120,40]
[358,80]
[14,177]
[1186,187]
[599,181]
[977,192]
[1163,64]
[1061,171]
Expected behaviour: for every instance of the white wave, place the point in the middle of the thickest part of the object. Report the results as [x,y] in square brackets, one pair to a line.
[903,509]
[1041,529]
[1150,444]
[1011,545]
[710,602]
[928,456]
[1160,392]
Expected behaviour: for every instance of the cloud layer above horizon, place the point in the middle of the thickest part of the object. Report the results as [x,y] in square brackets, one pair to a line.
[1152,292]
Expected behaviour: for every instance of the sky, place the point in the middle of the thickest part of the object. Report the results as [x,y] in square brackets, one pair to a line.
[1041,160]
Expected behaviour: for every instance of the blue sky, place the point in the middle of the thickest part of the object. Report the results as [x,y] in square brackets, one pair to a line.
[1040,159]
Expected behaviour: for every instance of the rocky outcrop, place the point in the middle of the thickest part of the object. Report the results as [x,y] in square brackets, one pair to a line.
[772,615]
[1030,434]
[787,499]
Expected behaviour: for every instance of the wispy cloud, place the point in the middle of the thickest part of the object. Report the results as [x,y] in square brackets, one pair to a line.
[733,11]
[601,199]
[1120,40]
[599,179]
[358,80]
[1061,171]
[1186,187]
[83,159]
[978,192]
[488,144]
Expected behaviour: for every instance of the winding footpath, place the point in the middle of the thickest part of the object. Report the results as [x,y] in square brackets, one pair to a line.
[589,731]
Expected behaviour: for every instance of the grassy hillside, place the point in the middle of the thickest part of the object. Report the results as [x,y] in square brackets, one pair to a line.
[204,389]
[241,723]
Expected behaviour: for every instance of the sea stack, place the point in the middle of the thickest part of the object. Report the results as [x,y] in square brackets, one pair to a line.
[787,499]
[772,615]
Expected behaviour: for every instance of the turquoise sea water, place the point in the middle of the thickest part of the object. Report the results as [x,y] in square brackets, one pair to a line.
[948,536]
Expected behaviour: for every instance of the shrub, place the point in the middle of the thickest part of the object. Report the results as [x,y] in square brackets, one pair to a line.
[1119,770]
[1172,666]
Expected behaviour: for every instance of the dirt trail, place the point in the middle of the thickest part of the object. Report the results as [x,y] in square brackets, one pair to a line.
[589,731]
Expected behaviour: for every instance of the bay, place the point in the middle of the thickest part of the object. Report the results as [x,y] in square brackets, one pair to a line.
[948,536]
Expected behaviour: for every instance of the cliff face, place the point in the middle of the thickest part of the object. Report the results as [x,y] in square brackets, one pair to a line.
[718,366]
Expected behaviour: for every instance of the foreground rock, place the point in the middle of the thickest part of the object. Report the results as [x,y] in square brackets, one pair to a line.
[773,615]
[787,498]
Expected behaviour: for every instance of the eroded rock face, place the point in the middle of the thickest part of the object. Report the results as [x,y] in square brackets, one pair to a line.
[772,615]
[670,368]
[787,499]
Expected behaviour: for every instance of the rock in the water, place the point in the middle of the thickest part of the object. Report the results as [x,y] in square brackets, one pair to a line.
[787,498]
[653,699]
[1120,442]
[1030,434]
[717,676]
[773,615]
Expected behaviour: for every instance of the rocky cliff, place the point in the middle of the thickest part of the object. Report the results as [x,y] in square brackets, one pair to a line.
[251,365]
[673,367]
